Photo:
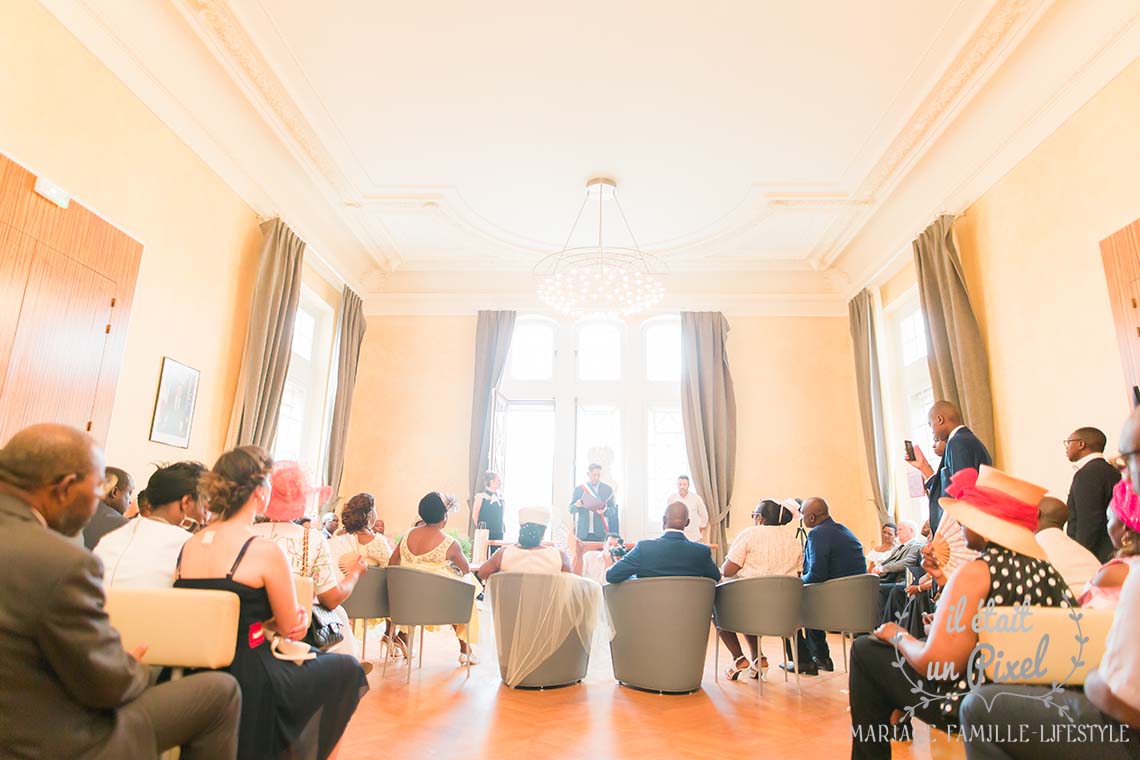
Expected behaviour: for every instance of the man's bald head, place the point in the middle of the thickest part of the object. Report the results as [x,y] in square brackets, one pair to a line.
[1051,513]
[676,516]
[815,511]
[38,455]
[58,471]
[943,418]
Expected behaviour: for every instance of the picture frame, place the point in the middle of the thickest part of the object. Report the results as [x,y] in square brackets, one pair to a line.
[174,404]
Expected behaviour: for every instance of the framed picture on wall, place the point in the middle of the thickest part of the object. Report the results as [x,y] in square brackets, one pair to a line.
[174,407]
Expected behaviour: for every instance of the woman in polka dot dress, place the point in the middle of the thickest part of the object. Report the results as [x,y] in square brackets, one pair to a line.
[998,514]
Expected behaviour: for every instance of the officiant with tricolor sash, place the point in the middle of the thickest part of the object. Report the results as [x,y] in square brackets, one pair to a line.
[593,506]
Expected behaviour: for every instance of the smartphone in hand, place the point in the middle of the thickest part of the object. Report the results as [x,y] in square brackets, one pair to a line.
[909,450]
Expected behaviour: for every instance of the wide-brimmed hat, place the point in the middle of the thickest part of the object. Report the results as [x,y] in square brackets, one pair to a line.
[997,506]
[291,492]
[535,515]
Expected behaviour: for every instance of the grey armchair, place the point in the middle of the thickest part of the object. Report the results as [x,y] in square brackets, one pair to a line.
[568,663]
[368,600]
[419,598]
[847,605]
[767,606]
[661,632]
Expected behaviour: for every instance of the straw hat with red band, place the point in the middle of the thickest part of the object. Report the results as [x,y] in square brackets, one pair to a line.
[996,506]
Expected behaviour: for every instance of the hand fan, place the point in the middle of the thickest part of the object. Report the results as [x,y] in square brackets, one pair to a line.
[949,546]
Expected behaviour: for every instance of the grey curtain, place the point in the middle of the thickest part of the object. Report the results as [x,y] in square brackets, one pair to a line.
[959,370]
[708,410]
[861,315]
[351,335]
[268,339]
[492,342]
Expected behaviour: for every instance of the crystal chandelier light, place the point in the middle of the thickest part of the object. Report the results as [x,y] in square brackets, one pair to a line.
[593,278]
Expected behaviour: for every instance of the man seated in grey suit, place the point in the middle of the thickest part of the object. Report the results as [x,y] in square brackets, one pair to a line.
[110,511]
[672,554]
[67,687]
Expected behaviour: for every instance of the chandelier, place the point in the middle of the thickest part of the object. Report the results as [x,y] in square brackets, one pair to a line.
[590,277]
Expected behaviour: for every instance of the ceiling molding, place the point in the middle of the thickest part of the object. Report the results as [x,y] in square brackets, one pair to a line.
[732,304]
[1006,24]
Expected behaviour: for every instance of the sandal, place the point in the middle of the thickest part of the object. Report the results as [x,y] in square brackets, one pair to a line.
[397,646]
[737,668]
[468,655]
[759,668]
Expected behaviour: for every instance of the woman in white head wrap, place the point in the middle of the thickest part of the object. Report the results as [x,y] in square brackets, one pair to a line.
[766,548]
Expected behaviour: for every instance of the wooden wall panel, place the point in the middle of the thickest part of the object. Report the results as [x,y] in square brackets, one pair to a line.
[16,253]
[53,374]
[102,261]
[1120,254]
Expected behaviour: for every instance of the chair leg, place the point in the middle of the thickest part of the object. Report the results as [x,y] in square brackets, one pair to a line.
[796,662]
[364,642]
[411,638]
[421,647]
[467,641]
[844,639]
[784,651]
[387,651]
[716,659]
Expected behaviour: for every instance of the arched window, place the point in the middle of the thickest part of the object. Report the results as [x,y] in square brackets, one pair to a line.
[532,349]
[599,351]
[663,350]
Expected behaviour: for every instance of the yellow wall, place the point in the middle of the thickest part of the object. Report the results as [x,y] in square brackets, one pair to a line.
[67,117]
[797,418]
[1030,251]
[411,414]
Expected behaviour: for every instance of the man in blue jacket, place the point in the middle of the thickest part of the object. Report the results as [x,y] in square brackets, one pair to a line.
[832,551]
[963,451]
[672,554]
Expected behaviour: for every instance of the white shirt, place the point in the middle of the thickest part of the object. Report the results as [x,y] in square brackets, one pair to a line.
[1086,459]
[762,550]
[141,554]
[1120,667]
[952,432]
[698,514]
[1076,564]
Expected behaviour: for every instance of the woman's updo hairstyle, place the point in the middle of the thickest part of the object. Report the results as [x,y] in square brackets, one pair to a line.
[354,516]
[432,508]
[235,476]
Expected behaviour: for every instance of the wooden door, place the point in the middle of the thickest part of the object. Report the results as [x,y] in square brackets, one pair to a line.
[1120,254]
[59,345]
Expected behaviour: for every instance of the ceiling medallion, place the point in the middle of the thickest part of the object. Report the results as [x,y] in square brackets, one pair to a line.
[592,277]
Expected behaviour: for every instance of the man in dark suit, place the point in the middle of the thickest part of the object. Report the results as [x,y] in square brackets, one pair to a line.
[1091,491]
[963,451]
[832,551]
[67,686]
[593,507]
[109,514]
[672,554]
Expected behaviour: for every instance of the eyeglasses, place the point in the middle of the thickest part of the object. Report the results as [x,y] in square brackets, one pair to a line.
[1067,441]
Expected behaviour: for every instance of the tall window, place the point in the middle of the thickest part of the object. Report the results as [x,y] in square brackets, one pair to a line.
[301,423]
[605,391]
[912,396]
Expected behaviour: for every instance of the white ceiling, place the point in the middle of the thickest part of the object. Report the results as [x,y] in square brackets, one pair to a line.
[746,136]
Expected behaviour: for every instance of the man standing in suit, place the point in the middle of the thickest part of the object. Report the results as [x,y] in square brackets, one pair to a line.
[963,451]
[109,514]
[832,551]
[672,554]
[1091,491]
[67,686]
[593,507]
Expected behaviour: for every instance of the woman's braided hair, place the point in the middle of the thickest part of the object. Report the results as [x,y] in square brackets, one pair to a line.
[237,473]
[354,516]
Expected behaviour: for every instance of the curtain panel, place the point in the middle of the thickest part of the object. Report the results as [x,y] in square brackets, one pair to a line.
[708,410]
[959,369]
[492,342]
[861,316]
[350,337]
[268,338]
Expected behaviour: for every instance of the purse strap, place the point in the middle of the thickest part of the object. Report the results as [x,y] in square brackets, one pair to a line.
[305,554]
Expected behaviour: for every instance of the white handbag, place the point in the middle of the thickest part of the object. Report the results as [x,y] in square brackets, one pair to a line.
[479,544]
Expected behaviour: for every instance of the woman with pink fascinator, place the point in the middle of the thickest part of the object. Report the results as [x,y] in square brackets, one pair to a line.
[1124,530]
[307,548]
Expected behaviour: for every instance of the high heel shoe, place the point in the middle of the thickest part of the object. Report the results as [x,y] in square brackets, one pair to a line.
[469,655]
[758,668]
[734,672]
[397,647]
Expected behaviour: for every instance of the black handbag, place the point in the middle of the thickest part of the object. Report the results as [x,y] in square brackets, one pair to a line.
[324,625]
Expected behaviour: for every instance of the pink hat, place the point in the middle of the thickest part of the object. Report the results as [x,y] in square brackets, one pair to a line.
[291,491]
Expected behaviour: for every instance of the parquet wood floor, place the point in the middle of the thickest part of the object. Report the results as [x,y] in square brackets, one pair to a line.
[442,715]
